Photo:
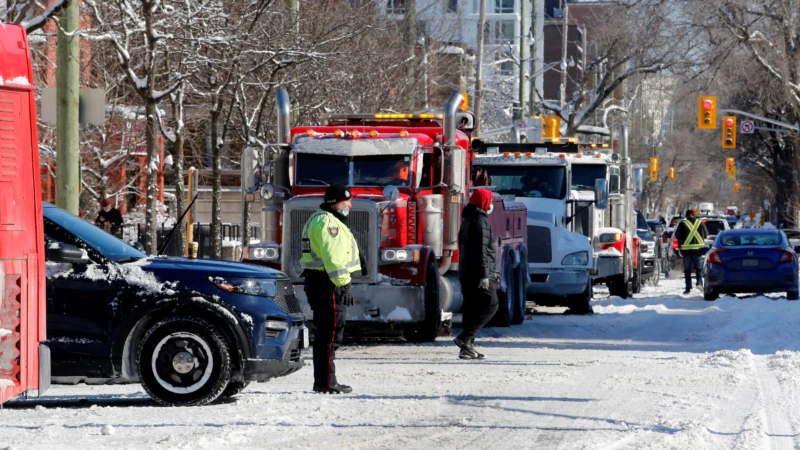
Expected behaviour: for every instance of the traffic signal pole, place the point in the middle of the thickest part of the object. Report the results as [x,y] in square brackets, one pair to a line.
[777,123]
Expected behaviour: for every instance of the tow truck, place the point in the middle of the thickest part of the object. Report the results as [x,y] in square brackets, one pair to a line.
[406,226]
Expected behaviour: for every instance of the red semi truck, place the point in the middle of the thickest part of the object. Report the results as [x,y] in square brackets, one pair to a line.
[24,360]
[411,176]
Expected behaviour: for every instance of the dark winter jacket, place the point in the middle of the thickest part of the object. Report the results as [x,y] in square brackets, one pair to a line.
[476,252]
[112,216]
[682,233]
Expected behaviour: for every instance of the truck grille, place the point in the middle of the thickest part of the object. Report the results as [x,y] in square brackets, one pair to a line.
[539,247]
[359,223]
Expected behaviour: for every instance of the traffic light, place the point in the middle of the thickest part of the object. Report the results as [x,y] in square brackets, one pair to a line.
[653,169]
[730,165]
[551,127]
[729,132]
[707,112]
[735,187]
[671,174]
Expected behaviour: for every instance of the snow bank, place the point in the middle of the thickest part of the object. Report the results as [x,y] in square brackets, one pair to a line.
[4,332]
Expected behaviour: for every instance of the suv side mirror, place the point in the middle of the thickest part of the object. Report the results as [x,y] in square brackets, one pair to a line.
[138,246]
[601,193]
[66,253]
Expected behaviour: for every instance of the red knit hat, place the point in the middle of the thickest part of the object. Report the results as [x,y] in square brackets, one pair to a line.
[482,198]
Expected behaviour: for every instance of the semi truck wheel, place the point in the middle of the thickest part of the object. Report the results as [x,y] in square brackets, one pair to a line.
[581,303]
[621,285]
[519,295]
[428,329]
[637,279]
[184,361]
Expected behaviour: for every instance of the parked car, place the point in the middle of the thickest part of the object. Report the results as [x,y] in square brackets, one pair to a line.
[188,330]
[649,251]
[755,260]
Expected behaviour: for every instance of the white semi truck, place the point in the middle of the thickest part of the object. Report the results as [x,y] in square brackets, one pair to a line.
[560,260]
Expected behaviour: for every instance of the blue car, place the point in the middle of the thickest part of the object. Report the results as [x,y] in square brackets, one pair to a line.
[752,260]
[188,330]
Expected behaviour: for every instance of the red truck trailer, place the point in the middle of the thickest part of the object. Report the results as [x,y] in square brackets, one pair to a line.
[411,176]
[24,360]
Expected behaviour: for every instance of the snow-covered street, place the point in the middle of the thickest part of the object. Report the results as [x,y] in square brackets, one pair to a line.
[661,371]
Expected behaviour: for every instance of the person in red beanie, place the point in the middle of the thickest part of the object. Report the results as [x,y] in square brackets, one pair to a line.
[109,218]
[476,271]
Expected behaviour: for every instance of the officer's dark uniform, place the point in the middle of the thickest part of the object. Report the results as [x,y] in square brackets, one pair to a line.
[330,255]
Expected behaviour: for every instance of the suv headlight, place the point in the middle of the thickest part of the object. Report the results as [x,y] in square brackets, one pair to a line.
[576,259]
[263,253]
[262,287]
[398,255]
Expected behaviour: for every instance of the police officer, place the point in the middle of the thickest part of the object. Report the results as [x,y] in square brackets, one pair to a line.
[691,234]
[330,255]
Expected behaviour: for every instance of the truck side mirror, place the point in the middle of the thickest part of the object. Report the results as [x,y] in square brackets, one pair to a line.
[391,193]
[66,253]
[601,193]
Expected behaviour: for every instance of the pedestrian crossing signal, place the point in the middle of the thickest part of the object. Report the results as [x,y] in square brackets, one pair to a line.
[735,187]
[671,174]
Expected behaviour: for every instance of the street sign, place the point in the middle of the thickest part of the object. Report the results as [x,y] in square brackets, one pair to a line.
[747,127]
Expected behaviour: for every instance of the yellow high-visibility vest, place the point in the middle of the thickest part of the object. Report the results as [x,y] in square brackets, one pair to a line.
[328,245]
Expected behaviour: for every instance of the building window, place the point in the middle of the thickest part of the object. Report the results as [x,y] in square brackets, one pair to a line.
[452,5]
[396,6]
[504,31]
[504,62]
[503,6]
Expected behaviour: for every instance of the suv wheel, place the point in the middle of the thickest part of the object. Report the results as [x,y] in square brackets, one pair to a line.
[234,387]
[184,361]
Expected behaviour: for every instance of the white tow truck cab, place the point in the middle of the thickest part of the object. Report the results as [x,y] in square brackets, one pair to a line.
[560,260]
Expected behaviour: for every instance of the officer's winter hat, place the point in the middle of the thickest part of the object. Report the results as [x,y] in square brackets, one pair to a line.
[337,193]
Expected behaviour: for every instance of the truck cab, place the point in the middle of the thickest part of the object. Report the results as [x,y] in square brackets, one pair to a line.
[560,261]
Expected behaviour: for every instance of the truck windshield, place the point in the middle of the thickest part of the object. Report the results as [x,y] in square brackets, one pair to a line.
[583,176]
[322,170]
[528,181]
[316,170]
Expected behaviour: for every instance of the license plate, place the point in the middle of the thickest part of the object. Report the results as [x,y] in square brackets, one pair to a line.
[749,263]
[305,337]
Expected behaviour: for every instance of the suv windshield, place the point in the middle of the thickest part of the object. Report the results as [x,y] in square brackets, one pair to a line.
[315,170]
[102,242]
[527,181]
[583,175]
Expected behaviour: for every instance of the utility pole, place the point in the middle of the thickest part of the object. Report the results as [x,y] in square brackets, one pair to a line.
[537,51]
[564,34]
[410,36]
[68,161]
[479,70]
[523,59]
[293,9]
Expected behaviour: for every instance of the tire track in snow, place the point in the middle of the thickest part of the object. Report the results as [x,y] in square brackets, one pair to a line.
[776,423]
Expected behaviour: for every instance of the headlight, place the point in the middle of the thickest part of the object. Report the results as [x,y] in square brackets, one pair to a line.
[273,324]
[271,253]
[399,255]
[576,259]
[609,238]
[261,287]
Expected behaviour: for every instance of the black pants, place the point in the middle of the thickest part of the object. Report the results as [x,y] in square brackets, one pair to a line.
[692,259]
[329,320]
[480,305]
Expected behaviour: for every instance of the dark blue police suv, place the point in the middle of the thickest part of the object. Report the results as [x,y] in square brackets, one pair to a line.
[188,330]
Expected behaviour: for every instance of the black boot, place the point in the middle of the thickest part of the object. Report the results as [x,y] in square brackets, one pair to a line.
[335,389]
[466,348]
